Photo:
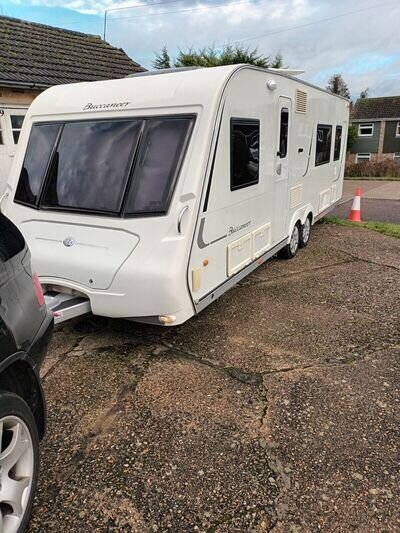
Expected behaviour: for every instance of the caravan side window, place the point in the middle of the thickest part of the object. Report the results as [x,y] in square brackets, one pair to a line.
[323,148]
[245,141]
[338,142]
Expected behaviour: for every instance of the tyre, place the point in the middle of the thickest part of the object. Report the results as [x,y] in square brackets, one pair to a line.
[19,462]
[291,248]
[305,232]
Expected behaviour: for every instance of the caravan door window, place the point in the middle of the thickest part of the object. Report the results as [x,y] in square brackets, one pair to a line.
[283,136]
[160,155]
[91,164]
[323,148]
[245,141]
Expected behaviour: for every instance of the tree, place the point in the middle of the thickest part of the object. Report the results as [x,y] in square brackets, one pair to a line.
[213,57]
[364,93]
[162,59]
[337,85]
[351,137]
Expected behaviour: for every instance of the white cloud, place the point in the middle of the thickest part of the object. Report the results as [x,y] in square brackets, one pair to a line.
[364,46]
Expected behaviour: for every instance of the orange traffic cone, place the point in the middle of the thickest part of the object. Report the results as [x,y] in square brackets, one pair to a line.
[355,213]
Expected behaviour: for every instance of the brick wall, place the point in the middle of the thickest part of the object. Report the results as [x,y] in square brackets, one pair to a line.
[17,96]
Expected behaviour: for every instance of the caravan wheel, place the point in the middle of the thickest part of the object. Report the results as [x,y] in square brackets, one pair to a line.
[291,248]
[305,232]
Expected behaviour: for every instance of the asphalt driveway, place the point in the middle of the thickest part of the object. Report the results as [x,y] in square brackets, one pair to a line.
[380,200]
[277,408]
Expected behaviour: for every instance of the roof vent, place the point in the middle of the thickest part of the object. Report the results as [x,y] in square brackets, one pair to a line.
[301,101]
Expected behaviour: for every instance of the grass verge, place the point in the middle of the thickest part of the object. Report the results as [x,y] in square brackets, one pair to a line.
[392,230]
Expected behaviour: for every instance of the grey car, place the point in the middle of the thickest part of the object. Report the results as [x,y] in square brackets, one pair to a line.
[25,330]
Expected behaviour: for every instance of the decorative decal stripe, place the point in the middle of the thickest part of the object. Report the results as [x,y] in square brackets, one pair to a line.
[200,241]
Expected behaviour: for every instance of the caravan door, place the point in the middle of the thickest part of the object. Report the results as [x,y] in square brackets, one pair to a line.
[284,113]
[10,126]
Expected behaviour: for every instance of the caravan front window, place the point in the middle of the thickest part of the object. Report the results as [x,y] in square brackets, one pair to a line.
[41,142]
[113,167]
[161,152]
[90,167]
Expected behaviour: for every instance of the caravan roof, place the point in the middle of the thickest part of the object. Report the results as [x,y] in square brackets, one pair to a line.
[186,87]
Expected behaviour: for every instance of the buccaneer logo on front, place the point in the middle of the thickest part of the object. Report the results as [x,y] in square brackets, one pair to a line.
[111,105]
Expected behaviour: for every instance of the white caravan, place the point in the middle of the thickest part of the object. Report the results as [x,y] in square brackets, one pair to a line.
[148,197]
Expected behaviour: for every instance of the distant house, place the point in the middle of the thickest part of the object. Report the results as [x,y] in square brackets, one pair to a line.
[34,57]
[378,129]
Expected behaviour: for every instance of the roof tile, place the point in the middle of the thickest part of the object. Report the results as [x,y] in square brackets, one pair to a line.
[373,108]
[39,54]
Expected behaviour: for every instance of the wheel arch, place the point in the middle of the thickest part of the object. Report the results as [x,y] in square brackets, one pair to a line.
[18,375]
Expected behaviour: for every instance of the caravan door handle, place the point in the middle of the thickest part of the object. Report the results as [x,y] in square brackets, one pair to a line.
[180,217]
[279,168]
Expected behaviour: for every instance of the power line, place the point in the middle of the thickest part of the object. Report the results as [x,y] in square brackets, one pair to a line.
[191,9]
[275,32]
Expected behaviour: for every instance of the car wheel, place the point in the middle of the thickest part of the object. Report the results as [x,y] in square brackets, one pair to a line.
[291,248]
[305,232]
[19,462]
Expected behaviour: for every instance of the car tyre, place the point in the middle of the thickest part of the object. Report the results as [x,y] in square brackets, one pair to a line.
[305,232]
[19,462]
[290,250]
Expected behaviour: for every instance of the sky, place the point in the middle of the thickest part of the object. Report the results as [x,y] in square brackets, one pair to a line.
[359,39]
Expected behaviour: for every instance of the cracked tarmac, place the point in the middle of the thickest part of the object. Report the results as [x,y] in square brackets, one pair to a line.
[276,409]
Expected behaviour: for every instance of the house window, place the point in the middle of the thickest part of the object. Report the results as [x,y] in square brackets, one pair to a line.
[338,142]
[366,129]
[283,135]
[245,140]
[398,129]
[16,125]
[363,157]
[324,141]
[396,156]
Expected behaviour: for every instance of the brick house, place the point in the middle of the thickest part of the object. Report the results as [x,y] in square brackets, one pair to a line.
[34,57]
[378,129]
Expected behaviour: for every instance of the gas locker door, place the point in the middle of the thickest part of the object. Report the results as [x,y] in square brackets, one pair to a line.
[284,114]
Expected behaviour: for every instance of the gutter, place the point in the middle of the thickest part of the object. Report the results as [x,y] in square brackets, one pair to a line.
[23,85]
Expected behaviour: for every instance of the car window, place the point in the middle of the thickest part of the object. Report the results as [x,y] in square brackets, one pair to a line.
[11,240]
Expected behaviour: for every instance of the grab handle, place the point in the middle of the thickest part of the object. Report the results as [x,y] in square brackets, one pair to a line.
[180,217]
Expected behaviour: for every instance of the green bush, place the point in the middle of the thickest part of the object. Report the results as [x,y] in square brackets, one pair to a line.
[373,169]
